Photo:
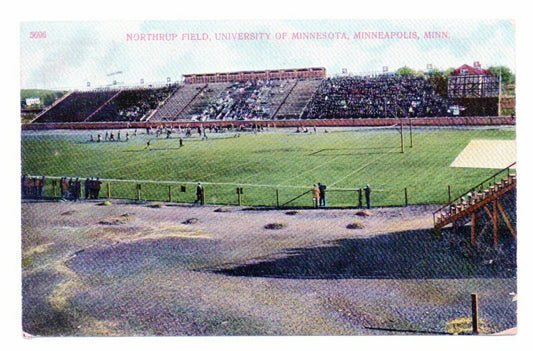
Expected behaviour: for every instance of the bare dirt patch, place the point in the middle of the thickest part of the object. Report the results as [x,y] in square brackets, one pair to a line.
[226,275]
[191,221]
[355,225]
[363,213]
[155,205]
[274,226]
[223,210]
[68,213]
[122,219]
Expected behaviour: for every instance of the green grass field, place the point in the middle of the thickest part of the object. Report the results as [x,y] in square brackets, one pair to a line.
[343,159]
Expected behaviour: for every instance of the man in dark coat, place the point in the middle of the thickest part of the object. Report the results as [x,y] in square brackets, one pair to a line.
[87,188]
[199,194]
[77,189]
[322,193]
[96,188]
[367,195]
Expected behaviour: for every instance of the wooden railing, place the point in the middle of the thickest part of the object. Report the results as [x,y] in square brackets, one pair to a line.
[464,204]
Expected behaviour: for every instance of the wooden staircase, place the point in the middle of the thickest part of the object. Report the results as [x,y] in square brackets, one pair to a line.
[483,198]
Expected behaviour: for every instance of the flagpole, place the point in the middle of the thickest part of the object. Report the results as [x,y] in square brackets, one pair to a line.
[500,95]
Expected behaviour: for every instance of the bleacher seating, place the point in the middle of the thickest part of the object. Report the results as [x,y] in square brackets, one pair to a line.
[300,95]
[385,95]
[76,107]
[130,105]
[248,100]
[202,100]
[174,106]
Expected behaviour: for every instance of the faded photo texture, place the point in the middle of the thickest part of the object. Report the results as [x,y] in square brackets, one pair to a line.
[313,177]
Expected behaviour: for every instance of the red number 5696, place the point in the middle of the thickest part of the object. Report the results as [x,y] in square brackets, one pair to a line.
[38,35]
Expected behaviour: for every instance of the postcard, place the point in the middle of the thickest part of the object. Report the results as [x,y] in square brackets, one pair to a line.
[268,177]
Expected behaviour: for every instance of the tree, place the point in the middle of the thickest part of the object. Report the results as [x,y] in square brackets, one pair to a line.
[448,72]
[436,73]
[439,80]
[406,71]
[508,77]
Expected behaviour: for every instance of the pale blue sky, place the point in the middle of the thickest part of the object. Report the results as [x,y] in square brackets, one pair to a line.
[76,52]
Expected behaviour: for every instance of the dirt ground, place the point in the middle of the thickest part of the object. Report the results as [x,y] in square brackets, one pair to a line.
[167,269]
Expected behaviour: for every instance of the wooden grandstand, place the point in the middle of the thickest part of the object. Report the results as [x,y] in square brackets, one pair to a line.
[483,204]
[291,94]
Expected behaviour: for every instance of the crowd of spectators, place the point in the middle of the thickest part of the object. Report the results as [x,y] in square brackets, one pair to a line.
[386,95]
[32,187]
[245,100]
[71,188]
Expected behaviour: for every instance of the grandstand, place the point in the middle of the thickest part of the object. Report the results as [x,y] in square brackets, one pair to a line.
[249,100]
[130,105]
[174,106]
[286,95]
[76,107]
[300,94]
[105,105]
[386,95]
[202,100]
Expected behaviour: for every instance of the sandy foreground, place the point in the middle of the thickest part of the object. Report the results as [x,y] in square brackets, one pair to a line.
[167,269]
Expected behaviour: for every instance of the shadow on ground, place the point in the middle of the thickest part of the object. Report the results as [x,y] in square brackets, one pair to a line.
[402,255]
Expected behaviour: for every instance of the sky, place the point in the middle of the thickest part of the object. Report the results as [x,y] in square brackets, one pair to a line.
[74,53]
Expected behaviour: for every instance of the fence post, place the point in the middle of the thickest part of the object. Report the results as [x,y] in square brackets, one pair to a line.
[475,329]
[238,196]
[411,131]
[169,194]
[401,136]
[449,195]
[108,188]
[277,197]
[360,195]
[406,199]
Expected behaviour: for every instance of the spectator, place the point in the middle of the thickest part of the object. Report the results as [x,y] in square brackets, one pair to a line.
[199,194]
[367,195]
[322,194]
[316,195]
[386,95]
[87,188]
[40,186]
[95,188]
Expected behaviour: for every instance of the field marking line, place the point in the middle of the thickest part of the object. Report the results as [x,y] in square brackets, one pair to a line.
[314,168]
[233,168]
[145,161]
[335,158]
[362,167]
[209,164]
[302,173]
[224,169]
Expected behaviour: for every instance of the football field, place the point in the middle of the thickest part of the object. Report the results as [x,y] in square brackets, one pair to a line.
[275,167]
